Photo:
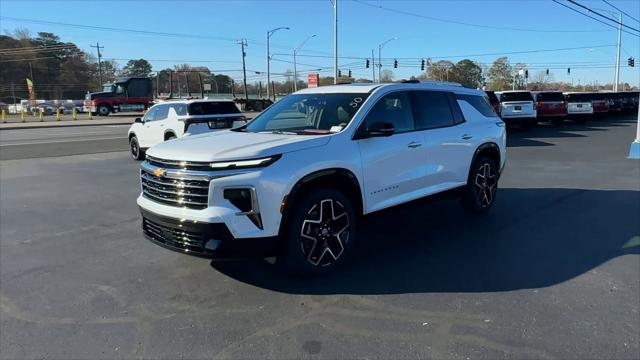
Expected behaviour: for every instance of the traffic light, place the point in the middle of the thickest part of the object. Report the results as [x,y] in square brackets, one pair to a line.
[367,64]
[568,71]
[631,62]
[349,72]
[422,65]
[526,74]
[339,73]
[547,71]
[395,64]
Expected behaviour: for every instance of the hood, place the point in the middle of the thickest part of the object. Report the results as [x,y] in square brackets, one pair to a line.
[231,145]
[101,94]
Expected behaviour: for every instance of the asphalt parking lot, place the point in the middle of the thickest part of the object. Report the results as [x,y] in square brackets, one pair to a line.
[551,272]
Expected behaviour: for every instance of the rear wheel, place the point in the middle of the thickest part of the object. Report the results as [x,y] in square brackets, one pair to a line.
[482,185]
[320,233]
[134,147]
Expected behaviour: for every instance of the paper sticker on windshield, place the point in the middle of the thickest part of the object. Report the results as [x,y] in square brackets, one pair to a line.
[335,129]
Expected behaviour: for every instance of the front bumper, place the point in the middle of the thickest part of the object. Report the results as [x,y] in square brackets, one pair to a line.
[207,240]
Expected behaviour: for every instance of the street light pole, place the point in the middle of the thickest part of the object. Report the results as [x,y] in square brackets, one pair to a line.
[335,41]
[295,68]
[269,33]
[615,85]
[380,57]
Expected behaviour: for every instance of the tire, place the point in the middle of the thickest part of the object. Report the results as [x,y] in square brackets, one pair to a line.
[320,232]
[103,110]
[482,185]
[134,149]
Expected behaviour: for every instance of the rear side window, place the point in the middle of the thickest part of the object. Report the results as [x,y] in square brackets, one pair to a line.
[213,108]
[516,96]
[180,109]
[431,109]
[480,103]
[550,96]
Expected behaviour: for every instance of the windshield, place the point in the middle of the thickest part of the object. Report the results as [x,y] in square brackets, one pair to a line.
[213,108]
[550,96]
[309,114]
[578,97]
[108,88]
[516,96]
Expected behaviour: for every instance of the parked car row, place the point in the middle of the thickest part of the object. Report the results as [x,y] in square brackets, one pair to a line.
[526,108]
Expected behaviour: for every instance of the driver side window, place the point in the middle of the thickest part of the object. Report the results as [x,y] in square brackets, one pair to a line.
[394,108]
[150,115]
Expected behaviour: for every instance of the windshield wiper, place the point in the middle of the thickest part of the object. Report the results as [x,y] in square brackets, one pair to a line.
[280,132]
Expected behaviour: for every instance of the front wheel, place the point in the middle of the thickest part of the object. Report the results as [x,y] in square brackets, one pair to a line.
[103,110]
[482,185]
[320,233]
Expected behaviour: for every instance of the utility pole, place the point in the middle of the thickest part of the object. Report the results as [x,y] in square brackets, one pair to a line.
[335,41]
[617,79]
[373,66]
[32,96]
[380,57]
[13,94]
[295,68]
[243,43]
[98,47]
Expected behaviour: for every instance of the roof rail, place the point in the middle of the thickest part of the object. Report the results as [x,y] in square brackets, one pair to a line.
[433,82]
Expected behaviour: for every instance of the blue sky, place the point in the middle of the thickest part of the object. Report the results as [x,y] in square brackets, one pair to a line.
[362,26]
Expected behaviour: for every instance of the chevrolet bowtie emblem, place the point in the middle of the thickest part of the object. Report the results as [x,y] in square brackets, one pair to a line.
[159,172]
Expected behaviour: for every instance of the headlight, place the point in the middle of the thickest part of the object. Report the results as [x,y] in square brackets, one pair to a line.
[244,164]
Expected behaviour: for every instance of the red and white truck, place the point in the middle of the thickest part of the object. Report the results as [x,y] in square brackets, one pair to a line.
[130,94]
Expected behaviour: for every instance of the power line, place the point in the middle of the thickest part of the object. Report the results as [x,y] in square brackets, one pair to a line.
[603,16]
[136,31]
[491,27]
[591,17]
[613,6]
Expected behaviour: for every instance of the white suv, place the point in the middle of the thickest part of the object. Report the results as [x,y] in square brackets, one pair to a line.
[517,108]
[173,119]
[295,180]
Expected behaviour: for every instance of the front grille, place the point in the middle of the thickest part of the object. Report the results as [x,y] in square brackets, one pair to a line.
[176,238]
[177,164]
[192,194]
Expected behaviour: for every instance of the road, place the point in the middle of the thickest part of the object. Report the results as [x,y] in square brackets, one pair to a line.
[551,272]
[52,142]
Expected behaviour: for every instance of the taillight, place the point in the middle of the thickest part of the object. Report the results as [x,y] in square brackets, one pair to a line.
[94,102]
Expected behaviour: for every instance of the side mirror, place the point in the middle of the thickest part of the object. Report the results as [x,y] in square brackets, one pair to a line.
[380,129]
[138,120]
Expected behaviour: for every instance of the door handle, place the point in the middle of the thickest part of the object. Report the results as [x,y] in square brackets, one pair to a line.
[466,137]
[414,144]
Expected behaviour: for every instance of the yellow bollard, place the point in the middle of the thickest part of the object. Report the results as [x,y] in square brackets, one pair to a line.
[74,114]
[41,115]
[3,119]
[22,116]
[58,114]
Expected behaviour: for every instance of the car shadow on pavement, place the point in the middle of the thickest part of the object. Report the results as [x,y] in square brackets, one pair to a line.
[532,238]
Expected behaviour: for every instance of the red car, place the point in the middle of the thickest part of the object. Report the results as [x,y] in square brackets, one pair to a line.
[551,106]
[600,105]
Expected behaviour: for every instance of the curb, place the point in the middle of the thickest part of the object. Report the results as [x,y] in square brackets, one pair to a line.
[43,126]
